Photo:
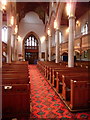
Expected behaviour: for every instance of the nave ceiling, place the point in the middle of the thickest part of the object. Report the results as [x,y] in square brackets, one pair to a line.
[39,7]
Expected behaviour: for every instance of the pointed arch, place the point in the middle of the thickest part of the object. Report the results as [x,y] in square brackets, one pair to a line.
[31,33]
[37,38]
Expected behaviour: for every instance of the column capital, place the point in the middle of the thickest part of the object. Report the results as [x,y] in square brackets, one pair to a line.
[71,17]
[14,34]
[57,29]
[49,35]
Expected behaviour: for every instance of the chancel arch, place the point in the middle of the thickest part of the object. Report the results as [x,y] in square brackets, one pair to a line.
[31,48]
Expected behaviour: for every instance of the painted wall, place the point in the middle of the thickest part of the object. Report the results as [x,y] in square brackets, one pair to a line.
[31,22]
[82,20]
[53,38]
[65,33]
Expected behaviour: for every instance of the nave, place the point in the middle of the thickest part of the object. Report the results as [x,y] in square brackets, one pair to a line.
[55,36]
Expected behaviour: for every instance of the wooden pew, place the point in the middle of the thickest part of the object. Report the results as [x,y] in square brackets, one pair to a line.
[54,73]
[66,82]
[15,81]
[15,90]
[64,70]
[15,100]
[79,94]
[83,64]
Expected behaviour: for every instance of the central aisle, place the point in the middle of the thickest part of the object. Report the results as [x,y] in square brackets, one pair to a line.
[45,102]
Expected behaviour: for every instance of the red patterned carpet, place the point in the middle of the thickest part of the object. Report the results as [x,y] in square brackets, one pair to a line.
[45,102]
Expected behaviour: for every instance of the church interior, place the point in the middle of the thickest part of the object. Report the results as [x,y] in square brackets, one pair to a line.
[44,60]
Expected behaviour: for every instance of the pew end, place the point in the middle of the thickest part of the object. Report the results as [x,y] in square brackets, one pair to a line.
[79,94]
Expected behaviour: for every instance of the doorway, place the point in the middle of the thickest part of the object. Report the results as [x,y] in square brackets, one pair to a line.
[31,49]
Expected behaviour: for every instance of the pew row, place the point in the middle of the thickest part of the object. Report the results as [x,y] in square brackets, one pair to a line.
[59,76]
[15,90]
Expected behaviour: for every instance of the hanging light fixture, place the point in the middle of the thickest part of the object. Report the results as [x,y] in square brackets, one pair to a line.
[42,39]
[12,20]
[19,38]
[68,9]
[48,32]
[16,29]
[67,30]
[3,3]
[55,24]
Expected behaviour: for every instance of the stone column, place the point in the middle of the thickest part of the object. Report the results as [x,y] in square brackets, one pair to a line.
[46,52]
[13,50]
[9,45]
[0,39]
[50,45]
[57,45]
[16,47]
[0,64]
[40,51]
[71,41]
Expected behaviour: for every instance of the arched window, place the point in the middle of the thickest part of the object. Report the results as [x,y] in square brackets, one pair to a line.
[31,42]
[84,29]
[4,34]
[60,37]
[31,49]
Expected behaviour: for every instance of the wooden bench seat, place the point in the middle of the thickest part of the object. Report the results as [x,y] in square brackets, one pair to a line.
[15,100]
[65,70]
[15,90]
[79,98]
[60,76]
[15,80]
[66,83]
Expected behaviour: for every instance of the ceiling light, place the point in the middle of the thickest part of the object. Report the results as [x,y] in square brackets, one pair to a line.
[77,23]
[19,38]
[42,39]
[48,32]
[12,21]
[16,29]
[55,24]
[67,30]
[68,9]
[4,3]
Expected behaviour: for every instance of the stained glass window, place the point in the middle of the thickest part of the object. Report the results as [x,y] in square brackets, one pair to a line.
[31,42]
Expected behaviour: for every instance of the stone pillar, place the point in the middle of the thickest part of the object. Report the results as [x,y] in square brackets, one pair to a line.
[0,64]
[71,41]
[57,45]
[16,48]
[40,51]
[46,52]
[9,45]
[13,49]
[0,39]
[50,45]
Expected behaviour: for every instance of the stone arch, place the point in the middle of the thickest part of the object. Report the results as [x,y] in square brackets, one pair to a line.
[53,14]
[64,53]
[39,43]
[28,34]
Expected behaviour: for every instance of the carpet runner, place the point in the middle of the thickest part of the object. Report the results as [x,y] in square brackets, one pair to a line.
[45,102]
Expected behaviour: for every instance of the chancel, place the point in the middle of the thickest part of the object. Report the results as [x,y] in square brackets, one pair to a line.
[44,60]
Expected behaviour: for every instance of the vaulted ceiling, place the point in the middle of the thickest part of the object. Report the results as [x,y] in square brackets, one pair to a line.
[39,7]
[81,8]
